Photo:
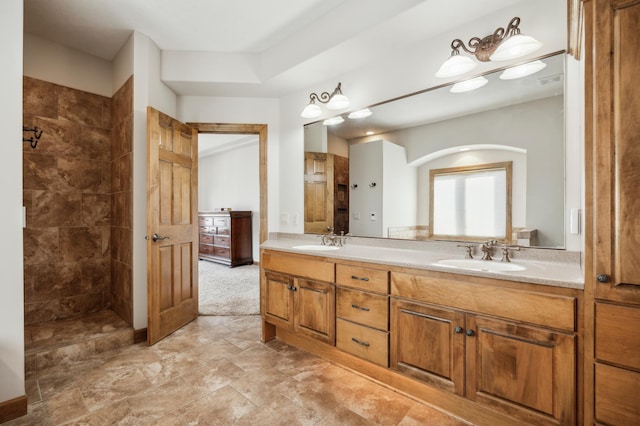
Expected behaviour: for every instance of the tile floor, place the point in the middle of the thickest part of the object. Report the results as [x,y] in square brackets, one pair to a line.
[215,371]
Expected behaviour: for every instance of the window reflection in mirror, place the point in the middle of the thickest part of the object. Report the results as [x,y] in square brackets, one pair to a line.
[471,203]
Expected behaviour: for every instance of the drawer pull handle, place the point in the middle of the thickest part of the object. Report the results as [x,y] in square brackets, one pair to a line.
[353,277]
[354,340]
[354,306]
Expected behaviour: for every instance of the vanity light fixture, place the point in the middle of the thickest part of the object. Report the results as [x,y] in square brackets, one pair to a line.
[522,70]
[502,45]
[333,120]
[468,85]
[360,114]
[334,100]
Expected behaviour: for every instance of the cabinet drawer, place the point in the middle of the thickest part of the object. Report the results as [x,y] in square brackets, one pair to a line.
[364,308]
[617,393]
[205,249]
[221,252]
[222,231]
[205,221]
[206,239]
[316,269]
[221,240]
[363,342]
[363,278]
[221,222]
[617,334]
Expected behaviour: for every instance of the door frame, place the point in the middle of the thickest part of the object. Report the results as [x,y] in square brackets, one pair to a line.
[247,129]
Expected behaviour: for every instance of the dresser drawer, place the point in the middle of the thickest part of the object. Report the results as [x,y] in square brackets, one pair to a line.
[363,278]
[363,342]
[221,222]
[222,231]
[617,335]
[206,239]
[205,249]
[362,307]
[221,240]
[205,221]
[221,252]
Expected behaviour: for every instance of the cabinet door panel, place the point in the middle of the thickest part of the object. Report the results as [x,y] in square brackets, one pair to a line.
[521,370]
[617,151]
[617,393]
[315,309]
[278,303]
[426,346]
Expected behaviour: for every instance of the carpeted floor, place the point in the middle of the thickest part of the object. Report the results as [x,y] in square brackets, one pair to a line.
[228,291]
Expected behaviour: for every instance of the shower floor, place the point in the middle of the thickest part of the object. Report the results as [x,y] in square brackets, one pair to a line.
[66,341]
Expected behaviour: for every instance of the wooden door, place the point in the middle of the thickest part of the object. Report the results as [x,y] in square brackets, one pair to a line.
[318,192]
[314,309]
[427,343]
[172,217]
[524,371]
[616,156]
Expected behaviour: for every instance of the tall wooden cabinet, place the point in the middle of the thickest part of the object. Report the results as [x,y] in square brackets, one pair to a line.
[612,272]
[225,237]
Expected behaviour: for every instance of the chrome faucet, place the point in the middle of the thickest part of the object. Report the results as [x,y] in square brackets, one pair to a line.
[487,249]
[332,239]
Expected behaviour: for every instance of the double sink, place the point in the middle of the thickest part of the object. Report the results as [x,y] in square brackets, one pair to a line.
[468,264]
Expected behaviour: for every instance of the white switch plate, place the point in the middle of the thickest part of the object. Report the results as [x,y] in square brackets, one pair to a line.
[356,215]
[373,216]
[294,219]
[574,221]
[284,218]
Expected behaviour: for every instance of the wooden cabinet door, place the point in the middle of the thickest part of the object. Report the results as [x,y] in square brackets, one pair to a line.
[278,299]
[314,312]
[616,150]
[427,343]
[524,371]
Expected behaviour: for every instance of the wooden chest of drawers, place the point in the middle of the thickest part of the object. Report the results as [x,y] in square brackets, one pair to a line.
[225,237]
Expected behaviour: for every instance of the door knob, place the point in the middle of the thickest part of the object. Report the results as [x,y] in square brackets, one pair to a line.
[470,333]
[156,237]
[603,278]
[458,330]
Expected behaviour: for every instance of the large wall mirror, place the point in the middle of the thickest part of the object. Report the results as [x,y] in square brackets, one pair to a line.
[371,176]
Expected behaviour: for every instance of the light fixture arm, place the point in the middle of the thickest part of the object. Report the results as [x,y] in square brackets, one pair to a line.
[325,97]
[483,48]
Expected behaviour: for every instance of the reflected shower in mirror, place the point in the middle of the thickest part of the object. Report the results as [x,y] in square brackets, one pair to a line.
[385,160]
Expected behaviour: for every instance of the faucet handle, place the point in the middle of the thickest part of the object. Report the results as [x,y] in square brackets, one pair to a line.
[469,248]
[505,252]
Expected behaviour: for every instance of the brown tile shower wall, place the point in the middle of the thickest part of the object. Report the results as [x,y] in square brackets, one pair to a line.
[122,202]
[67,193]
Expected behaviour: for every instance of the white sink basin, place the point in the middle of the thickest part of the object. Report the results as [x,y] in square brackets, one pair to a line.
[480,265]
[316,247]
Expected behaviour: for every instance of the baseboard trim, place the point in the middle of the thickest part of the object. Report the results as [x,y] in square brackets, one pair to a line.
[139,335]
[13,408]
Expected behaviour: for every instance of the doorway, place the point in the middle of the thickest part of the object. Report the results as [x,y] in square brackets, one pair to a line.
[229,179]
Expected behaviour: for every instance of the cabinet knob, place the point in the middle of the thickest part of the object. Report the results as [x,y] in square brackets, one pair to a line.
[470,333]
[603,278]
[458,330]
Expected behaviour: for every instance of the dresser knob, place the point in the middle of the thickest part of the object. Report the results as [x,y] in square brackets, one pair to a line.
[603,278]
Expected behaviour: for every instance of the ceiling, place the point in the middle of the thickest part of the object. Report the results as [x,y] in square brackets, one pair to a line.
[283,45]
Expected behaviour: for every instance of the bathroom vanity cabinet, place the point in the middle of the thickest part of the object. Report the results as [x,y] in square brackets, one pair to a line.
[492,351]
[508,349]
[298,294]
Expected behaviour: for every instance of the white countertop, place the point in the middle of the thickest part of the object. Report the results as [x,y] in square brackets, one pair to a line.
[543,269]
